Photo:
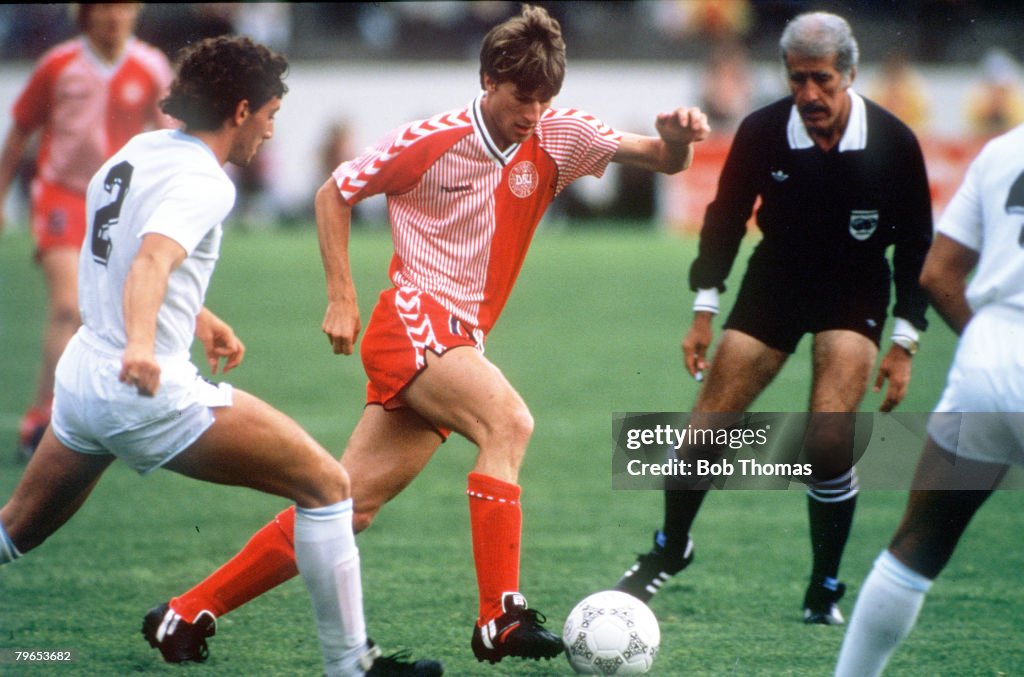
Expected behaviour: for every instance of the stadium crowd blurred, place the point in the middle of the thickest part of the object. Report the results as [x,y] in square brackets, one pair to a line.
[934,31]
[729,40]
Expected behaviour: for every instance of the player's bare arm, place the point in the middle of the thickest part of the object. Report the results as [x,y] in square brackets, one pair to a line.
[333,224]
[219,341]
[672,150]
[10,156]
[144,292]
[944,276]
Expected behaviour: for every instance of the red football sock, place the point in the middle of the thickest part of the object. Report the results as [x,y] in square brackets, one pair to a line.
[496,520]
[266,561]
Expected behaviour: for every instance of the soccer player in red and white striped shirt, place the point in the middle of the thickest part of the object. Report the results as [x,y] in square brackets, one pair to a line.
[86,97]
[465,191]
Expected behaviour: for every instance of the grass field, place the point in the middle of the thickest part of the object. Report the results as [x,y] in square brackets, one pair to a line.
[593,328]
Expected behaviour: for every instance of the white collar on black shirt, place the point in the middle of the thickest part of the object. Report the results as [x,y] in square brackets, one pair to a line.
[502,157]
[854,138]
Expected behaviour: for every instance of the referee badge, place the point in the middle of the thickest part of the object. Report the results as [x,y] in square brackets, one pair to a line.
[863,223]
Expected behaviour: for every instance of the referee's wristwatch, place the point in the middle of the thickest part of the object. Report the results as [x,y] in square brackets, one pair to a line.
[908,344]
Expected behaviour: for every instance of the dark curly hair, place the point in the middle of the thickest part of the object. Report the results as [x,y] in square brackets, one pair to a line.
[526,50]
[214,75]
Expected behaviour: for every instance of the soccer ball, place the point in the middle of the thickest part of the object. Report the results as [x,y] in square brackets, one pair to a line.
[611,633]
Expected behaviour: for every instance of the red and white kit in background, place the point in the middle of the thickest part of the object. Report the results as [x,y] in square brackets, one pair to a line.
[87,110]
[462,216]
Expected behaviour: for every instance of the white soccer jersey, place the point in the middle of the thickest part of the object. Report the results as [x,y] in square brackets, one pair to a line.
[987,215]
[986,379]
[165,182]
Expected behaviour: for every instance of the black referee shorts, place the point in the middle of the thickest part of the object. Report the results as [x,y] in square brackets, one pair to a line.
[779,309]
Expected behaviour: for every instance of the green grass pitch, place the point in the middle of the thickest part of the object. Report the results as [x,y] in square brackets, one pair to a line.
[593,328]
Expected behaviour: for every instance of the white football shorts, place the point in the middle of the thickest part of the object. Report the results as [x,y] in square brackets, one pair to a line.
[94,413]
[981,413]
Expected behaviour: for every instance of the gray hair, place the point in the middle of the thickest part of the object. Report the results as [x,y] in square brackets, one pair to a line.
[819,35]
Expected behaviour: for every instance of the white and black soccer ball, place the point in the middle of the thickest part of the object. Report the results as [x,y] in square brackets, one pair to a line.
[611,633]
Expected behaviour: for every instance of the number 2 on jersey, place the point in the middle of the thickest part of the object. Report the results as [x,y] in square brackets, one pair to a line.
[116,183]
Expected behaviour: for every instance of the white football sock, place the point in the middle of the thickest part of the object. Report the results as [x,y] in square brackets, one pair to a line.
[885,612]
[328,559]
[8,553]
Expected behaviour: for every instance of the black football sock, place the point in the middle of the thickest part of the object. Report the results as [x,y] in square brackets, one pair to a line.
[681,506]
[830,528]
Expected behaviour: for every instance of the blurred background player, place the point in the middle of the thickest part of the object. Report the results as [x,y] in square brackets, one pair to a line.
[840,181]
[727,87]
[87,96]
[901,90]
[974,274]
[996,103]
[465,190]
[126,386]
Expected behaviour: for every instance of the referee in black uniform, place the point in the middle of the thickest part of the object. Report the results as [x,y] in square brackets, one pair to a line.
[840,181]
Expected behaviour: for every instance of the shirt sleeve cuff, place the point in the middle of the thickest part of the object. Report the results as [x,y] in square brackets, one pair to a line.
[706,301]
[905,336]
[903,330]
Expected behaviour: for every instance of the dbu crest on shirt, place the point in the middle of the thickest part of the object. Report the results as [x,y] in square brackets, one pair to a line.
[523,179]
[863,223]
[132,92]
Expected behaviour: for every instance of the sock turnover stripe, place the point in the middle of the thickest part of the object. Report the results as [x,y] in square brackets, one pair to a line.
[327,512]
[901,574]
[487,497]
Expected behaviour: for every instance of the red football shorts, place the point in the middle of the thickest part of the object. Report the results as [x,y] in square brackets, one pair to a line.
[58,217]
[405,324]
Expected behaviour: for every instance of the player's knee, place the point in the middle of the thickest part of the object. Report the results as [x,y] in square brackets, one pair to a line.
[521,425]
[515,432]
[509,428]
[329,482]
